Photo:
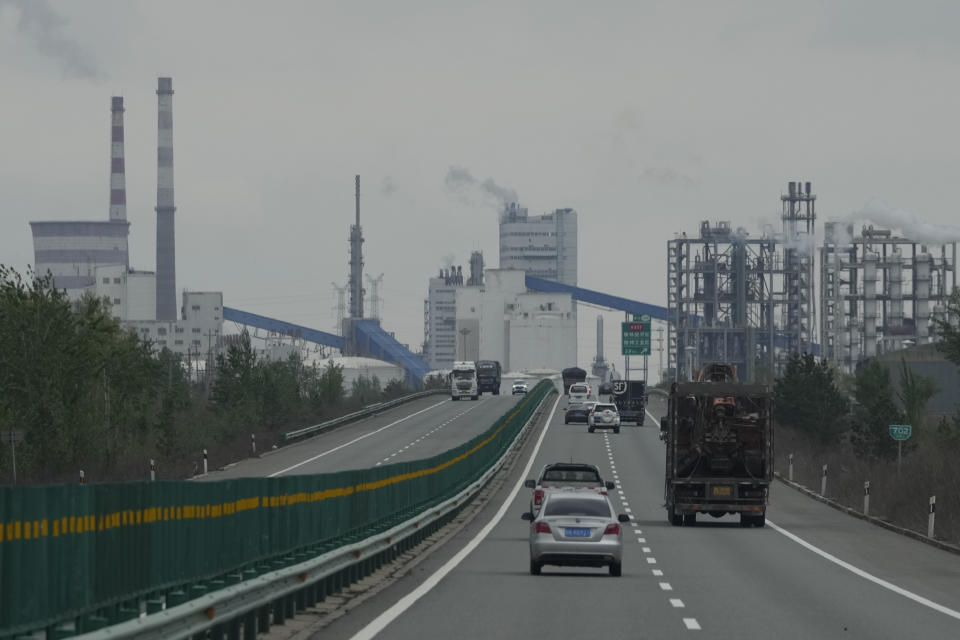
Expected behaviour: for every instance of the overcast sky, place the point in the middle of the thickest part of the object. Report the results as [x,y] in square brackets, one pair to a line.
[644,117]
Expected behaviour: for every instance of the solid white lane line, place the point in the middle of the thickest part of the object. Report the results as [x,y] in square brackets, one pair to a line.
[677,603]
[866,576]
[666,586]
[692,624]
[347,444]
[380,623]
[656,422]
[658,573]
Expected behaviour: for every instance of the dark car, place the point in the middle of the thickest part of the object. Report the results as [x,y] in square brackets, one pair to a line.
[578,412]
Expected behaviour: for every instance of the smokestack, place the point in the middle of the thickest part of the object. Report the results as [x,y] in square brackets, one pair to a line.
[166,250]
[118,181]
[356,263]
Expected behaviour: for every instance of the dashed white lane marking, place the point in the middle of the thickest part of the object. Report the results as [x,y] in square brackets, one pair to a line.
[867,576]
[651,560]
[641,540]
[658,573]
[645,549]
[380,622]
[666,586]
[692,624]
[677,603]
[357,439]
[378,464]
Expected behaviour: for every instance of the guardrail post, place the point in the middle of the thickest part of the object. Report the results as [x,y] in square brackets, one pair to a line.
[866,498]
[823,482]
[253,445]
[204,462]
[932,516]
[83,477]
[790,467]
[153,470]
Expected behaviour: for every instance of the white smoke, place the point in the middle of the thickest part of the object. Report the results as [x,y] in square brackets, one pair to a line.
[913,228]
[45,27]
[460,181]
[388,187]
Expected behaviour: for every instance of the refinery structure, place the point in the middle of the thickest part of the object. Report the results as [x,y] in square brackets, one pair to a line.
[752,301]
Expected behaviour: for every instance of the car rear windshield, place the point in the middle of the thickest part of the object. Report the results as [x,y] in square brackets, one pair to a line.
[578,388]
[605,407]
[571,475]
[577,507]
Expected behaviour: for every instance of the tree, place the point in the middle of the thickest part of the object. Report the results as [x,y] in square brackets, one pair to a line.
[915,391]
[873,414]
[365,390]
[396,388]
[331,385]
[808,399]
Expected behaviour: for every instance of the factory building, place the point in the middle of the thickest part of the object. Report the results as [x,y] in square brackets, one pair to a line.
[93,256]
[439,311]
[743,300]
[880,292]
[544,246]
[523,330]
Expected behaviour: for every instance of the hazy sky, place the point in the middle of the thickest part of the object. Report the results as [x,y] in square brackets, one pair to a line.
[644,117]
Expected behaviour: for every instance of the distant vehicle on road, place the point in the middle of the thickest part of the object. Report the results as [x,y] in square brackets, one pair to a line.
[578,411]
[579,392]
[488,376]
[463,381]
[604,416]
[520,386]
[576,529]
[566,476]
[630,396]
[571,375]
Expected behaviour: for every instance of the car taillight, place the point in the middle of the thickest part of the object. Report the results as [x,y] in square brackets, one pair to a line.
[543,527]
[612,530]
[538,496]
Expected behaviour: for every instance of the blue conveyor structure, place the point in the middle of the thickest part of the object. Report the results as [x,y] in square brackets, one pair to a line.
[371,340]
[595,297]
[283,328]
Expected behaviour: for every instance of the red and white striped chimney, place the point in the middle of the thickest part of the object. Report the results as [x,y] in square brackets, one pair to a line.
[118,179]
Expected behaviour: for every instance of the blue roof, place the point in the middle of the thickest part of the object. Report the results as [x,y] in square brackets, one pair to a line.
[285,328]
[597,298]
[374,342]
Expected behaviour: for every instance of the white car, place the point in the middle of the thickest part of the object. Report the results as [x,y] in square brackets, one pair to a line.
[520,386]
[604,416]
[579,392]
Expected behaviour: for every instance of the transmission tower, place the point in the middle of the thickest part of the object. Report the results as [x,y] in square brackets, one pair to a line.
[375,295]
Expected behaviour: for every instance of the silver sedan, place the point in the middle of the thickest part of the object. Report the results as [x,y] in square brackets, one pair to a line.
[577,528]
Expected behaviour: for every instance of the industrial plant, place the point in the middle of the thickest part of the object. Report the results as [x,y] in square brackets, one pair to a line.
[751,301]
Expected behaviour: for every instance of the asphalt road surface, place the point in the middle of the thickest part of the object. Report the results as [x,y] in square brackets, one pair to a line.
[419,429]
[813,572]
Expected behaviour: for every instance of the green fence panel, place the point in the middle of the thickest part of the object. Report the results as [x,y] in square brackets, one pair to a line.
[70,550]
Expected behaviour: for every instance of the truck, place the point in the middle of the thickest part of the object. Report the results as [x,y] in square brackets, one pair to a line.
[463,381]
[630,396]
[488,376]
[718,435]
[571,375]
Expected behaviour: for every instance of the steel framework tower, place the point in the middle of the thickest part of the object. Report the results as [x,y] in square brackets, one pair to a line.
[799,218]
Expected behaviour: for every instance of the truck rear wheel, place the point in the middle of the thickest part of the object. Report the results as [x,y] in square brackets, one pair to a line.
[689,519]
[676,519]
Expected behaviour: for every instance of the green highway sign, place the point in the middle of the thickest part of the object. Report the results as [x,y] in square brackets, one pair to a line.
[900,432]
[635,337]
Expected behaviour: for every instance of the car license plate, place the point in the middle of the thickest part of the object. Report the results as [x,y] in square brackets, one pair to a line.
[577,532]
[723,491]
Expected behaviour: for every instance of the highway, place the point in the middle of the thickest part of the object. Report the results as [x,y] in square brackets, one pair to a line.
[714,579]
[419,429]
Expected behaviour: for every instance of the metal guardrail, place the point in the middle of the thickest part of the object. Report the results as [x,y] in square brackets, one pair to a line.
[366,412]
[243,607]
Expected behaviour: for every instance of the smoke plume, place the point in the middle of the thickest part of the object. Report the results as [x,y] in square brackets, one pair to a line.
[388,187]
[461,181]
[665,176]
[880,213]
[45,27]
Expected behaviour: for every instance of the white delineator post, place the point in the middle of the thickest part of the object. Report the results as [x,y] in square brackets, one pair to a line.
[83,477]
[933,514]
[823,481]
[204,462]
[866,498]
[253,445]
[790,467]
[153,470]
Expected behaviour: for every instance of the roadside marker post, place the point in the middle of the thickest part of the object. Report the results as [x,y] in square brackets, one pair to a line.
[790,468]
[933,514]
[83,477]
[204,462]
[866,498]
[153,470]
[823,482]
[253,445]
